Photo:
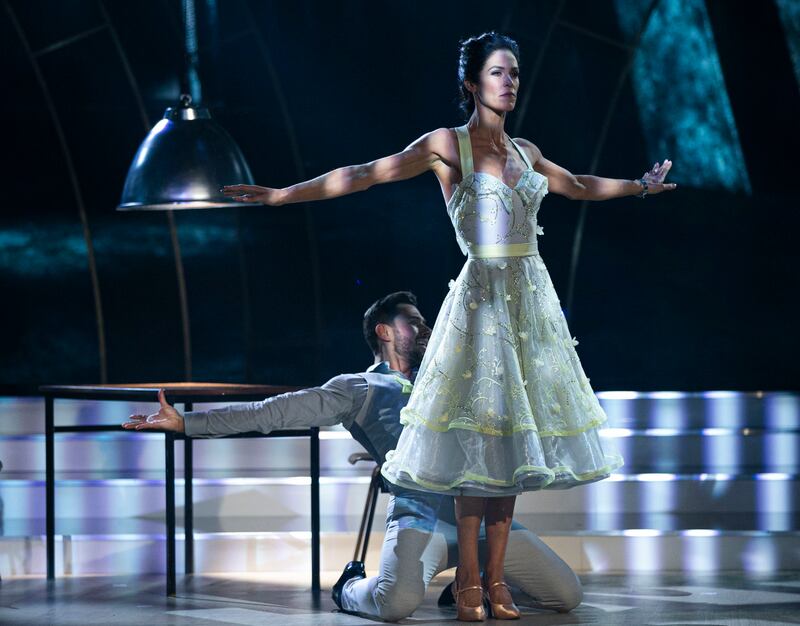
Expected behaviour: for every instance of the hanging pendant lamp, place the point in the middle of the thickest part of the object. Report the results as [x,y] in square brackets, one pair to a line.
[183,162]
[187,156]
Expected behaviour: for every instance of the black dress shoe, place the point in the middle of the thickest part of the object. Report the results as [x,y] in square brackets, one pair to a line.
[447,598]
[354,569]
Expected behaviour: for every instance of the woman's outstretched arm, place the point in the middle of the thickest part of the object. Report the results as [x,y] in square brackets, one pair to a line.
[585,187]
[422,155]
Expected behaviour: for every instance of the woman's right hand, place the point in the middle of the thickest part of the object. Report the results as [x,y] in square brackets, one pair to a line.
[167,418]
[254,194]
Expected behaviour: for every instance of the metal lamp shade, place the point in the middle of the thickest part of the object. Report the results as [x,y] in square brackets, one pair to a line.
[183,162]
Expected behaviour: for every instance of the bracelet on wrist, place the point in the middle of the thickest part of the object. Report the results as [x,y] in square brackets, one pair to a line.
[644,191]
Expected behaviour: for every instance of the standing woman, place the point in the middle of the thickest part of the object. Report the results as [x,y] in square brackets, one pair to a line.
[501,404]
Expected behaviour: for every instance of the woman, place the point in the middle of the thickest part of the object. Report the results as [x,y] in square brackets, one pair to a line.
[501,404]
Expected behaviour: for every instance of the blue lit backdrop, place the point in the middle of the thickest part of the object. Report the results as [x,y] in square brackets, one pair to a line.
[683,102]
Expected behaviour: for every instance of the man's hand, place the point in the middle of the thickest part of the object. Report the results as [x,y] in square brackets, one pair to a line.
[655,178]
[254,194]
[167,418]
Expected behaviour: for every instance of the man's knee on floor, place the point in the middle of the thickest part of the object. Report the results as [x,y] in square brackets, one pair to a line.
[555,587]
[569,596]
[400,599]
[561,597]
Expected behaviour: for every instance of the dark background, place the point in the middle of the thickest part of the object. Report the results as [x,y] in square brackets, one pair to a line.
[691,290]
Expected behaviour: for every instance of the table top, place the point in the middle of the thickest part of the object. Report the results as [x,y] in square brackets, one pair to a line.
[175,392]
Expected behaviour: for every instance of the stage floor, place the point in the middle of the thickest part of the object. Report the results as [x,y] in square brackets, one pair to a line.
[267,600]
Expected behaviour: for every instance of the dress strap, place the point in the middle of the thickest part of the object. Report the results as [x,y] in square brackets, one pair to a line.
[464,151]
[522,154]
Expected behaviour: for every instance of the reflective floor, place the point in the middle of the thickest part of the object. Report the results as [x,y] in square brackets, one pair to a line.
[269,600]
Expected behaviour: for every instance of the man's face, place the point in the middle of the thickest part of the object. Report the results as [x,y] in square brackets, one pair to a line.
[410,336]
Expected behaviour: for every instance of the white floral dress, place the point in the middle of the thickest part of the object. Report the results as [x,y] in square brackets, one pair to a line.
[501,404]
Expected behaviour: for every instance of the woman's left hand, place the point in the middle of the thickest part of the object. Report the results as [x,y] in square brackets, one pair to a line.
[655,178]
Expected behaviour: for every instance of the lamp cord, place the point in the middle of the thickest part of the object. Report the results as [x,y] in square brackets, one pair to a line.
[192,58]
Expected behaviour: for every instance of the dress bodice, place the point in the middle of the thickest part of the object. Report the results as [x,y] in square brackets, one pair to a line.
[485,211]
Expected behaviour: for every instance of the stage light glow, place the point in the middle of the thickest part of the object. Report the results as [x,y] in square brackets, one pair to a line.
[614,433]
[716,432]
[643,550]
[618,395]
[700,553]
[789,11]
[233,534]
[667,395]
[723,413]
[721,477]
[683,102]
[700,532]
[642,532]
[619,433]
[304,480]
[659,497]
[661,432]
[670,413]
[782,411]
[721,394]
[655,478]
[760,555]
[327,434]
[774,521]
[773,476]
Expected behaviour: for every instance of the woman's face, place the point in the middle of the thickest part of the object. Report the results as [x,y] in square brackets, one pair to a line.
[499,82]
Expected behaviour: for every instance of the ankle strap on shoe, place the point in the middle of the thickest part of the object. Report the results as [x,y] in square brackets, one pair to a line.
[457,591]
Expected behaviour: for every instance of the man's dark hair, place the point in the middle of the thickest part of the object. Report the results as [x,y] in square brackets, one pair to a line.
[384,311]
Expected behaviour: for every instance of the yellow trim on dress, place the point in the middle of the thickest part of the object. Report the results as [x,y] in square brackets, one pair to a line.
[535,470]
[410,416]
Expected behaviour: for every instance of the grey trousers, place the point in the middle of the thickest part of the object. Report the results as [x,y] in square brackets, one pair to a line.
[416,548]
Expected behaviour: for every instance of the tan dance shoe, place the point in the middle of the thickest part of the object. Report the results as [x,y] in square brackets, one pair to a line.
[466,613]
[498,610]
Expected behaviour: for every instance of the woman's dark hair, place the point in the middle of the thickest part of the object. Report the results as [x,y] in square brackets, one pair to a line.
[384,311]
[473,53]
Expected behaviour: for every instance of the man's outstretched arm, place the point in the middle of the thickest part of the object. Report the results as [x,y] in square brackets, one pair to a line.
[337,401]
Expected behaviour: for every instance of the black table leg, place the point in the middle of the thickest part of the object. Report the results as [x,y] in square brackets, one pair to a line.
[188,501]
[169,458]
[315,566]
[50,485]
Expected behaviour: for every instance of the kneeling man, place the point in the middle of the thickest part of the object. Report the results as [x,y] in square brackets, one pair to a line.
[420,538]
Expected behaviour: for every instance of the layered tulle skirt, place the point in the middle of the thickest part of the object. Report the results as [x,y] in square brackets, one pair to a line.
[501,404]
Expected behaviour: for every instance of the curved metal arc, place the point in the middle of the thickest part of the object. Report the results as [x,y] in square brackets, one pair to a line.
[173,231]
[581,225]
[126,66]
[87,234]
[68,41]
[593,35]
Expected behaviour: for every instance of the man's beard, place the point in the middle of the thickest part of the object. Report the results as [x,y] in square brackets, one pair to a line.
[411,351]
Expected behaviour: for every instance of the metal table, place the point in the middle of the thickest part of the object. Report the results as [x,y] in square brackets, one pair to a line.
[186,394]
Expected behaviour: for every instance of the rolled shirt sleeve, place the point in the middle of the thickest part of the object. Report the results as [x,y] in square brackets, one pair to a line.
[338,401]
